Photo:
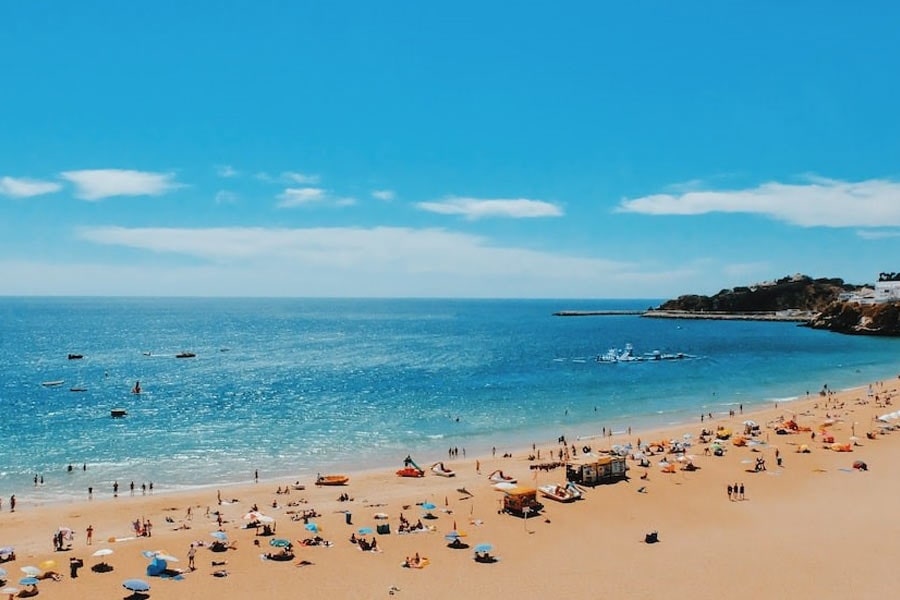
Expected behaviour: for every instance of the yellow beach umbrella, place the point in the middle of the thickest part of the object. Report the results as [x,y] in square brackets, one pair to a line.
[47,565]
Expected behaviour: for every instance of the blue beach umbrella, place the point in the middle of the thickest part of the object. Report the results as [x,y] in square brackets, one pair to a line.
[364,530]
[219,535]
[483,548]
[29,581]
[136,585]
[3,573]
[428,506]
[279,542]
[312,527]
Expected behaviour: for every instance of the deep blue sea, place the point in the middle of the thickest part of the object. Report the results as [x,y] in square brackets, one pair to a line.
[293,387]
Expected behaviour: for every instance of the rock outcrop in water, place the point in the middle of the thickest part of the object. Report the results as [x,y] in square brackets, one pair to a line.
[862,319]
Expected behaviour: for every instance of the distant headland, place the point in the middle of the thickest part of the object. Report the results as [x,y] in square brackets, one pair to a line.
[829,304]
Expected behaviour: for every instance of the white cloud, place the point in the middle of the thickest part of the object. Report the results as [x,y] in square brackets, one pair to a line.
[226,197]
[386,195]
[25,188]
[300,178]
[227,171]
[292,197]
[96,184]
[818,202]
[475,208]
[380,261]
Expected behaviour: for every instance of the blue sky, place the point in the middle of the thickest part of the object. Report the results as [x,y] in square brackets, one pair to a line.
[464,149]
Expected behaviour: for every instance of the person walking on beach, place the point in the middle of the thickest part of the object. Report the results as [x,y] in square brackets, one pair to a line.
[742,491]
[115,489]
[89,537]
[12,503]
[191,552]
[729,491]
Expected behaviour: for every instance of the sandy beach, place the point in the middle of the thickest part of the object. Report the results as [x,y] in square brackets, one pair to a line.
[814,527]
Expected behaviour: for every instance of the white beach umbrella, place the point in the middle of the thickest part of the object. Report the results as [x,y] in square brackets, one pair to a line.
[102,552]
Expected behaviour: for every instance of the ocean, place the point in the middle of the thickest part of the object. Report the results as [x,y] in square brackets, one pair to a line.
[294,387]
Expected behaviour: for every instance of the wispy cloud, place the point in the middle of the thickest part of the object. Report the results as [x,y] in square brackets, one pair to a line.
[227,171]
[25,188]
[292,197]
[226,197]
[476,208]
[817,202]
[96,184]
[386,195]
[382,261]
[300,178]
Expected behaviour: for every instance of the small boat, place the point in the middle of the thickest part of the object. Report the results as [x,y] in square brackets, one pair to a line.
[118,413]
[561,493]
[78,389]
[55,383]
[185,355]
[499,477]
[332,480]
[439,469]
[75,356]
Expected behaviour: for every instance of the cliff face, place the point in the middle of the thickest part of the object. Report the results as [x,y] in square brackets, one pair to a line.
[798,292]
[865,319]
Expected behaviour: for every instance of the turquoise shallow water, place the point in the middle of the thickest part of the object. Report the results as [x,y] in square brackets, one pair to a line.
[294,387]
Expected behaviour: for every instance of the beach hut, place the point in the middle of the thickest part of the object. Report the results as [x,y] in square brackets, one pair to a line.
[606,469]
[522,502]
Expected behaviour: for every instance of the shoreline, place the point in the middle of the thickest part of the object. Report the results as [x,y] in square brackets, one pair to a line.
[516,443]
[695,520]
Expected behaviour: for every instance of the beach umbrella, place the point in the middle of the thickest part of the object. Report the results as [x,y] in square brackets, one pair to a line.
[47,565]
[483,548]
[504,485]
[12,591]
[365,530]
[381,515]
[279,542]
[29,581]
[428,506]
[103,552]
[312,527]
[219,535]
[3,573]
[136,585]
[253,515]
[266,519]
[30,571]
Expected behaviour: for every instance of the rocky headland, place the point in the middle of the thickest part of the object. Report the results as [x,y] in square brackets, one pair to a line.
[828,304]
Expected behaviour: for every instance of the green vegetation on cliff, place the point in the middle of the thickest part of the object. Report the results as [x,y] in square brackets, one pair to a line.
[798,292]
